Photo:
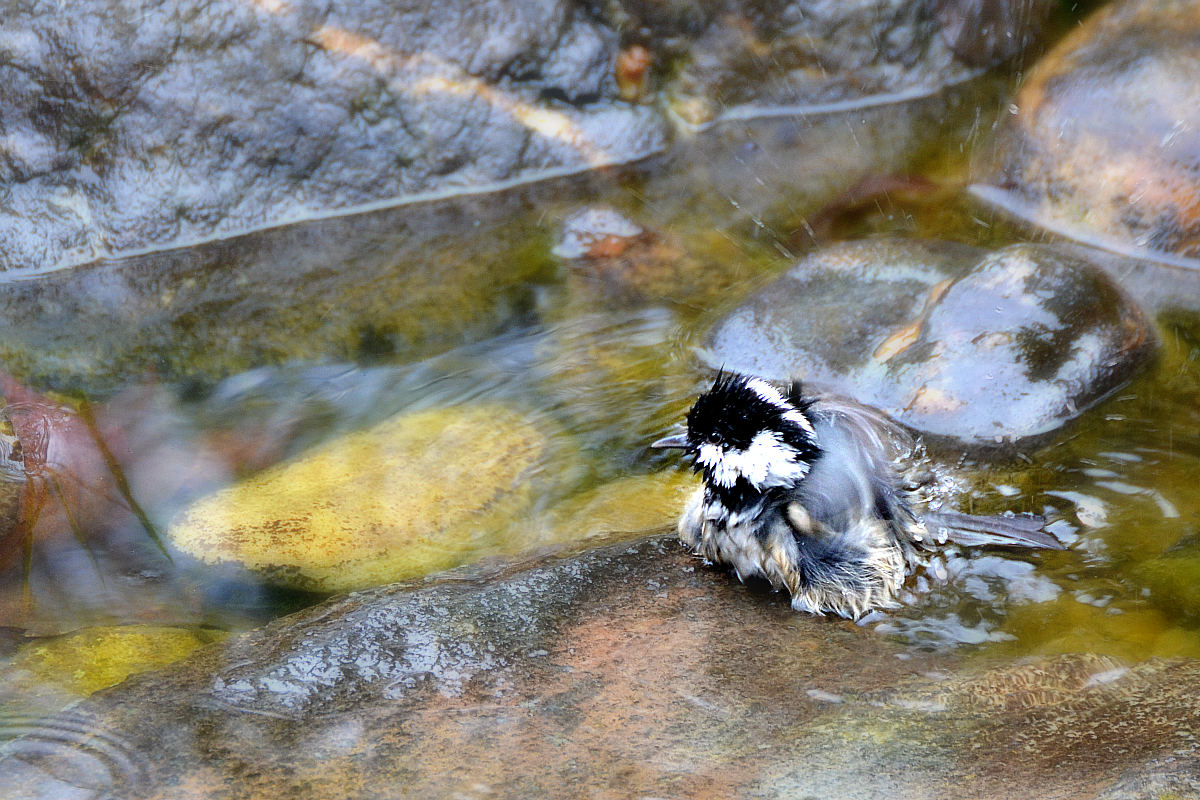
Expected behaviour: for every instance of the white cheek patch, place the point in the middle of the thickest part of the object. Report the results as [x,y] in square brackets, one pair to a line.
[767,462]
[771,395]
[716,462]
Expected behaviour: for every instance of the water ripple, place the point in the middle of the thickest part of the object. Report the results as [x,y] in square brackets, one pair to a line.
[68,755]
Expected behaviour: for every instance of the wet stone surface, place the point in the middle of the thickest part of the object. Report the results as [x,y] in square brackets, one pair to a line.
[205,120]
[982,347]
[1105,140]
[751,57]
[631,669]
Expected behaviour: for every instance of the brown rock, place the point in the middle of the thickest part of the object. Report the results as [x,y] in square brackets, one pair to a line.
[629,671]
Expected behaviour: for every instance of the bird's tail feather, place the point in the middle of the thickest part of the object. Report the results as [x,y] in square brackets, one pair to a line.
[1018,530]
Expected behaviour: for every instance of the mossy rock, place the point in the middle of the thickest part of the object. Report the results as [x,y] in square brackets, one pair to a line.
[1173,581]
[92,659]
[633,505]
[1067,625]
[417,493]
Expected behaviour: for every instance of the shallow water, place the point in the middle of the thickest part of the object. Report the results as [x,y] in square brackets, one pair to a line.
[611,372]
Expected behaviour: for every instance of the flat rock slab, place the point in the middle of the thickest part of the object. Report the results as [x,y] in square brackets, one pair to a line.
[130,128]
[628,671]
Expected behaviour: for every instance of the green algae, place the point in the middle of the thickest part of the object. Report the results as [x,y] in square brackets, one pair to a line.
[92,659]
[630,506]
[405,286]
[417,493]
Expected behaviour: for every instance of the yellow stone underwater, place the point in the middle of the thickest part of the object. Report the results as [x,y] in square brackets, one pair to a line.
[417,493]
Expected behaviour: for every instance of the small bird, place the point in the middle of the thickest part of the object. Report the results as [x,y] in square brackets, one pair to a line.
[809,494]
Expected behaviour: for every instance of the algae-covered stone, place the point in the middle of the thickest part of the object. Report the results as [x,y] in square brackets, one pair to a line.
[396,284]
[417,493]
[632,505]
[1078,623]
[1173,581]
[54,670]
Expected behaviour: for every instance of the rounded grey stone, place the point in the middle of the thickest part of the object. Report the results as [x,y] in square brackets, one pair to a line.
[951,340]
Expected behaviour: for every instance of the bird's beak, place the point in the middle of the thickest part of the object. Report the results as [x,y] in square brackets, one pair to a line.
[675,440]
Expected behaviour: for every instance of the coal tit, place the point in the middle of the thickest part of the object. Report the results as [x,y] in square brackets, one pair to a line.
[811,495]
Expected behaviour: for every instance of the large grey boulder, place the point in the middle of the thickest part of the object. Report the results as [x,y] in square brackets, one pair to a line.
[981,347]
[130,126]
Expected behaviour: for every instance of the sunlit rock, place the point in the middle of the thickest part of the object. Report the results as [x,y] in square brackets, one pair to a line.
[1103,142]
[417,493]
[983,347]
[209,120]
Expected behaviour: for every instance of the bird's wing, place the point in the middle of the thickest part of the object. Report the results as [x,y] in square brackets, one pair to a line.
[1018,530]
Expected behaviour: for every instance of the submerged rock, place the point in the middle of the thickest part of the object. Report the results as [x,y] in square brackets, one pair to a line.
[614,260]
[628,670]
[415,494]
[950,340]
[205,120]
[1171,580]
[396,283]
[1104,144]
[47,673]
[624,506]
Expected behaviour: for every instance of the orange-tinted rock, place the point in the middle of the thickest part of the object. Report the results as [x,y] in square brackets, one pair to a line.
[632,71]
[630,671]
[1104,141]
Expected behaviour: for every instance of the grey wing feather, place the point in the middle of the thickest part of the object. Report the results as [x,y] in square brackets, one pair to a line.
[861,481]
[1025,530]
[857,480]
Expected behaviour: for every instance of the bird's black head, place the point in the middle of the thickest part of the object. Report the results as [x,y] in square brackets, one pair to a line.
[747,437]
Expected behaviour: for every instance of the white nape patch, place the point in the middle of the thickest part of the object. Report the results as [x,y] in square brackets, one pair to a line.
[771,395]
[767,462]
